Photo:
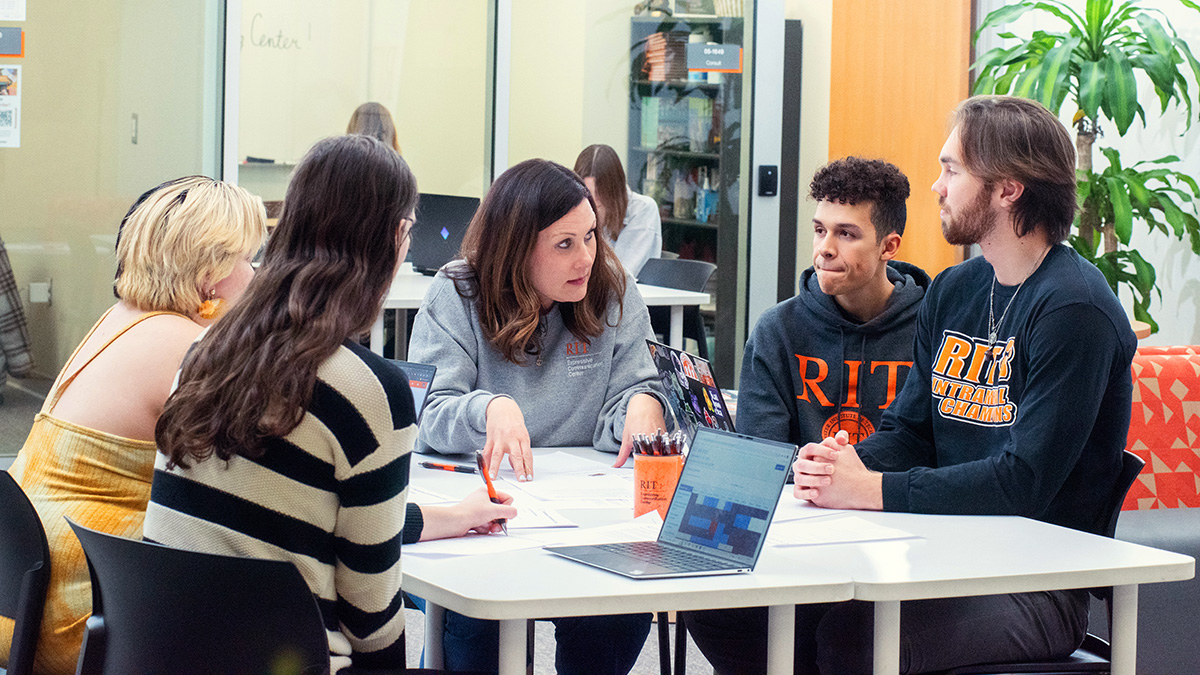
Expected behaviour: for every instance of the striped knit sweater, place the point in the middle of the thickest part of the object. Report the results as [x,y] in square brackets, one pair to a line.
[329,497]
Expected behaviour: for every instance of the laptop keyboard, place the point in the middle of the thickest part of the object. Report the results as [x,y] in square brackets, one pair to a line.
[672,559]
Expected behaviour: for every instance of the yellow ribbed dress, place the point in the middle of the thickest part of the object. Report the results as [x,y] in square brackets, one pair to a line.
[96,479]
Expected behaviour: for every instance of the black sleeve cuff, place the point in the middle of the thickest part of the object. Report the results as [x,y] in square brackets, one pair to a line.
[414,524]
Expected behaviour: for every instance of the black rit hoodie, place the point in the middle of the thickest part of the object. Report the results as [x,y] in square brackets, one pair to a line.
[809,370]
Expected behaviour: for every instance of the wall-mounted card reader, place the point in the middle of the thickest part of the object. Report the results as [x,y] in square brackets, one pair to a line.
[768,180]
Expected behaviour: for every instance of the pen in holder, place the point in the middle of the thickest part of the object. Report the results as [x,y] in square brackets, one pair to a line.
[657,463]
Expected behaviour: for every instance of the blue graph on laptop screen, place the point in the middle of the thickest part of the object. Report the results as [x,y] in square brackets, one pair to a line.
[726,495]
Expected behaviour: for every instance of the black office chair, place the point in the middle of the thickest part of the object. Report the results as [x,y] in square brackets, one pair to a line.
[685,275]
[157,609]
[1095,654]
[24,572]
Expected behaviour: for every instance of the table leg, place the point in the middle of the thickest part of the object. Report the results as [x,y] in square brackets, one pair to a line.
[887,638]
[781,639]
[400,323]
[377,334]
[512,647]
[435,621]
[676,339]
[1124,630]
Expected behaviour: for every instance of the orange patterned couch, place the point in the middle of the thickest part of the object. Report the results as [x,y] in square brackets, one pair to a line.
[1165,428]
[1161,508]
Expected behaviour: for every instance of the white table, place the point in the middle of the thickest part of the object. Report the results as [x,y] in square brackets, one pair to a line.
[409,288]
[956,556]
[981,555]
[531,583]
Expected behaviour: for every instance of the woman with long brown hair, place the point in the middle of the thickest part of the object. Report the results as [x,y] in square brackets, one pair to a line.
[539,337]
[629,220]
[287,439]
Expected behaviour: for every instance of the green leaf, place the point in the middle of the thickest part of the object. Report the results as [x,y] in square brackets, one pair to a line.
[1082,248]
[1095,13]
[1055,69]
[1122,210]
[1027,82]
[1139,195]
[1161,160]
[1091,87]
[1120,89]
[1114,158]
[984,84]
[1144,271]
[1172,213]
[1155,34]
[1003,15]
[1064,12]
[1195,65]
[1162,74]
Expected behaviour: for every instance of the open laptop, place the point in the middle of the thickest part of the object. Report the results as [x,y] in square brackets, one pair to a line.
[437,235]
[718,519]
[420,376]
[691,389]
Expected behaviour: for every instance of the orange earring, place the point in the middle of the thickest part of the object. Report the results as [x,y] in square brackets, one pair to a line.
[209,308]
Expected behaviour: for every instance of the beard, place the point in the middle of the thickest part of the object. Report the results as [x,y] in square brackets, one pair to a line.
[972,224]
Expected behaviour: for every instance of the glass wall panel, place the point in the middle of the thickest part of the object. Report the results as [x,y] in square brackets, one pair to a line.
[115,97]
[307,64]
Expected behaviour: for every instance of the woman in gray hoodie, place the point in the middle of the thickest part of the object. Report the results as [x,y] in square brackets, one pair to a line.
[538,335]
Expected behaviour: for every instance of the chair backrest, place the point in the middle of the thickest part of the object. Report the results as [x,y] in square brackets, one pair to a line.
[24,572]
[685,275]
[1131,466]
[164,610]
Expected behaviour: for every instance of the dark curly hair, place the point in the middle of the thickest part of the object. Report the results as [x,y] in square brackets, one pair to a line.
[854,180]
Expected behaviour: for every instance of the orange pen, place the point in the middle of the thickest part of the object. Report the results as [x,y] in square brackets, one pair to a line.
[487,480]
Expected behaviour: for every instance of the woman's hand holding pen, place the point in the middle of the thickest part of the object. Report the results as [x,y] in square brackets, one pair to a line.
[507,435]
[475,513]
[644,415]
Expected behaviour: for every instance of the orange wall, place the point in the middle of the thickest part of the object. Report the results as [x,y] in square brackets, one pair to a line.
[898,69]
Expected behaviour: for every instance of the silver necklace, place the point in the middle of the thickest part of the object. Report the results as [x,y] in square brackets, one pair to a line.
[993,325]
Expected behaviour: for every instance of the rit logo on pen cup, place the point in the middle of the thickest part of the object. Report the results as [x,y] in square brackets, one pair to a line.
[649,484]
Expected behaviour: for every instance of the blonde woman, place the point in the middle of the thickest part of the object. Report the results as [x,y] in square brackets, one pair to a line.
[183,257]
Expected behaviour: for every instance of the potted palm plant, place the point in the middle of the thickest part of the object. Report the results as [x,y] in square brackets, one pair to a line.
[1091,63]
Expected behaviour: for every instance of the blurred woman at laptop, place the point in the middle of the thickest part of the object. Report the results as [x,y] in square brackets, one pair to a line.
[628,220]
[539,337]
[285,438]
[183,258]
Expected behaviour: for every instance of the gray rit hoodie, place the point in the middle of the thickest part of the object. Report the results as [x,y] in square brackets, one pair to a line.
[576,397]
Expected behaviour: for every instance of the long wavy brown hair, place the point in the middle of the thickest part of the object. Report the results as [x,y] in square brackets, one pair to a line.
[327,267]
[523,201]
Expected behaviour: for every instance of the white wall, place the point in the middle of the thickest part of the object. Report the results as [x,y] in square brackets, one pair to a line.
[1178,268]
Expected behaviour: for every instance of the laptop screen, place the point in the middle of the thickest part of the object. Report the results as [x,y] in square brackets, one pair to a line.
[727,494]
[691,389]
[437,235]
[420,376]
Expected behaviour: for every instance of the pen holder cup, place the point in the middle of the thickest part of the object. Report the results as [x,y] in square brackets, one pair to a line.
[654,479]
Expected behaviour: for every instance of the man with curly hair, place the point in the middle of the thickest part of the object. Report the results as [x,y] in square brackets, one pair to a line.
[833,357]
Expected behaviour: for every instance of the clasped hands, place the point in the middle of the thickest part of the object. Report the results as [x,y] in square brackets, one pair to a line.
[830,474]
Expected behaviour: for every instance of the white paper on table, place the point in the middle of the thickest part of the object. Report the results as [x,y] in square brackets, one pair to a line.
[841,529]
[791,508]
[559,464]
[533,517]
[420,495]
[578,488]
[472,544]
[643,528]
